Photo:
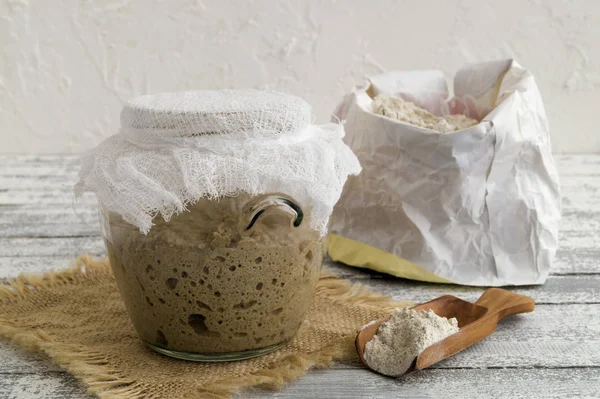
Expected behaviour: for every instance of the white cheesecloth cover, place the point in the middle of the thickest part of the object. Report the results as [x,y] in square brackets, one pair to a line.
[175,148]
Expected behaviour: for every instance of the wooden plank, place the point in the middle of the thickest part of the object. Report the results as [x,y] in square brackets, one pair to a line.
[50,230]
[572,239]
[10,266]
[542,328]
[567,165]
[48,162]
[71,246]
[55,197]
[583,221]
[48,385]
[567,262]
[578,164]
[360,383]
[582,227]
[35,215]
[16,360]
[63,221]
[38,221]
[520,341]
[582,195]
[575,246]
[572,220]
[13,266]
[41,179]
[448,384]
[556,354]
[34,259]
[577,261]
[579,193]
[558,289]
[22,222]
[574,226]
[33,255]
[35,158]
[63,182]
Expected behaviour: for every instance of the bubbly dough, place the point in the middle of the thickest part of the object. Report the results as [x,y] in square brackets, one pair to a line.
[201,283]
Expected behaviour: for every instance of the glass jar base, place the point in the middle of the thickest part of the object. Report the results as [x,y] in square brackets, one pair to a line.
[216,357]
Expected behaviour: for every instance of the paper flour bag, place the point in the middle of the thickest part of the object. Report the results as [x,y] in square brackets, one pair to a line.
[478,206]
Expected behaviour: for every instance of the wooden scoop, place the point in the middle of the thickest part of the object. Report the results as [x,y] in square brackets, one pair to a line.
[476,321]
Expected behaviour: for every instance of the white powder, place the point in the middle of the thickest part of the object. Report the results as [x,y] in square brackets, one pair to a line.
[405,111]
[401,339]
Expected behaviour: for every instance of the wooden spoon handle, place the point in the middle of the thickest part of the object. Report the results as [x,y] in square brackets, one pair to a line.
[499,302]
[505,303]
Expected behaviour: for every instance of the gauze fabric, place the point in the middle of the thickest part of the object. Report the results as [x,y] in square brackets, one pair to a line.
[175,148]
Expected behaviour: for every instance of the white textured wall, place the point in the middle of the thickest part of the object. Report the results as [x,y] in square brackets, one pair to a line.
[66,66]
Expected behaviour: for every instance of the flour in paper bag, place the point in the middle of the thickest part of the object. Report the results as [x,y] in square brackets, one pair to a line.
[408,112]
[401,339]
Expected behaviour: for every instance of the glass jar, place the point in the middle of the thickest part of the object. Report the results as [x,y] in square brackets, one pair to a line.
[214,207]
[228,279]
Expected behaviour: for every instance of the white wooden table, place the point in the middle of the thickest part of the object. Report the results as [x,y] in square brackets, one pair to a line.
[552,353]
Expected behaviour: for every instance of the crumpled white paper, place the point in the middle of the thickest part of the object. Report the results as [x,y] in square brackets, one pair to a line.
[479,206]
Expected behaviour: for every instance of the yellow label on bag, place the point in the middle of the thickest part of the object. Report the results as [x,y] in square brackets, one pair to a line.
[355,253]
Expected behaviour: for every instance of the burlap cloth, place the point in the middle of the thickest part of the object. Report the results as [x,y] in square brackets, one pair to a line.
[77,318]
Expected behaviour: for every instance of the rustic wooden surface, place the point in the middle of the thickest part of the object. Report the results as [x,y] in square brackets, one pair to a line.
[551,353]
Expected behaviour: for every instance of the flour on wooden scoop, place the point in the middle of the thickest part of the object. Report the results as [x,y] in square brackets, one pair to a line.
[401,339]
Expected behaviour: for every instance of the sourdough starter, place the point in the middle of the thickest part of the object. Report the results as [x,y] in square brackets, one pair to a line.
[202,283]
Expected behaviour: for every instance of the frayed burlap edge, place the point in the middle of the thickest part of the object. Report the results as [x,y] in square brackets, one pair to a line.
[106,383]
